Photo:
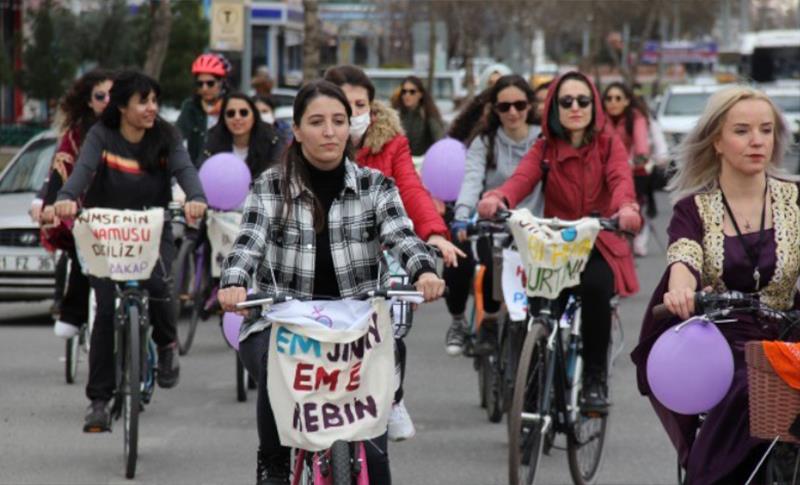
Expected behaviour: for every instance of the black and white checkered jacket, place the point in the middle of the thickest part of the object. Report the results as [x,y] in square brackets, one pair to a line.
[367,216]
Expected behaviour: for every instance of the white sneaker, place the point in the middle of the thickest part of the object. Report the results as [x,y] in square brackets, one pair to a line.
[400,425]
[65,330]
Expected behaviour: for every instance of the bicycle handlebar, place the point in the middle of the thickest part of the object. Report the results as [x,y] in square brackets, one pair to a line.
[269,299]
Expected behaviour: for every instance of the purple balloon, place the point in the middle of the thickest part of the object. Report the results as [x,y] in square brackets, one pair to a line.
[226,181]
[443,168]
[231,322]
[690,367]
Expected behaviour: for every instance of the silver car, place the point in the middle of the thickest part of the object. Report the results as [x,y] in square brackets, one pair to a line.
[26,269]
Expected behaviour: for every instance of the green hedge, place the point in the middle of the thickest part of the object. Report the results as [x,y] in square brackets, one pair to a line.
[18,135]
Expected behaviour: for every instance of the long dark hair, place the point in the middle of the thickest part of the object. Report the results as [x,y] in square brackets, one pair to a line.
[75,104]
[429,109]
[489,132]
[155,146]
[554,123]
[263,140]
[347,74]
[470,120]
[633,104]
[293,162]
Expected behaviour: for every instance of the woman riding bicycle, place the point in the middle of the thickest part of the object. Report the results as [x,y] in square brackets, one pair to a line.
[587,173]
[126,162]
[735,226]
[315,227]
[492,157]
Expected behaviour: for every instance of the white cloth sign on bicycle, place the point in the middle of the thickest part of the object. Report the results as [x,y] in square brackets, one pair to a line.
[119,244]
[329,371]
[554,257]
[513,282]
[222,227]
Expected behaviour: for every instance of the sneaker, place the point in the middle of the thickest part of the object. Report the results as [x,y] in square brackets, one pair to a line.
[98,417]
[400,425]
[594,394]
[455,337]
[66,330]
[169,369]
[271,473]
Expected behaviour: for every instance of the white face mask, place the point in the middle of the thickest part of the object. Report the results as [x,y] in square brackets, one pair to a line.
[359,125]
[268,118]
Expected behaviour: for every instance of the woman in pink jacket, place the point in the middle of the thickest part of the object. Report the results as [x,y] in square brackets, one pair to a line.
[588,173]
[629,121]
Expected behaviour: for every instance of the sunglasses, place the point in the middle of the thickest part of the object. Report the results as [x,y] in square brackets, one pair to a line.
[505,107]
[100,96]
[616,98]
[566,102]
[208,84]
[412,92]
[243,113]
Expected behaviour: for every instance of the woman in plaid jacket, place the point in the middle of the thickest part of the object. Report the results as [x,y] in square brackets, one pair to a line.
[318,223]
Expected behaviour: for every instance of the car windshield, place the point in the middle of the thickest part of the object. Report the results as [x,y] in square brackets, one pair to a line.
[385,87]
[787,103]
[686,104]
[30,169]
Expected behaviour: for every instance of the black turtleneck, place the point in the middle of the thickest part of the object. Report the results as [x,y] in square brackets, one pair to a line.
[327,185]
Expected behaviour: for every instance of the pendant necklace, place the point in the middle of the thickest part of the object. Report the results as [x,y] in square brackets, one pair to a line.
[753,253]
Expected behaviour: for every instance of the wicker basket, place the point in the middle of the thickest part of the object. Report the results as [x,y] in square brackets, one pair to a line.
[774,405]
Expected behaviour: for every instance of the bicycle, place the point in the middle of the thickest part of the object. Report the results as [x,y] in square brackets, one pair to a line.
[719,308]
[134,349]
[548,382]
[336,461]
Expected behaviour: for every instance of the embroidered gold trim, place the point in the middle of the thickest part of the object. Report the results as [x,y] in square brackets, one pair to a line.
[711,210]
[779,292]
[686,251]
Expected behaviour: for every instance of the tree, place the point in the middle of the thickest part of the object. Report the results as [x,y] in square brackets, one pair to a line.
[161,15]
[49,64]
[108,37]
[311,40]
[188,38]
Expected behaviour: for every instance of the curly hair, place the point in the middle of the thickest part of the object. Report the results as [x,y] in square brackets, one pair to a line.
[74,106]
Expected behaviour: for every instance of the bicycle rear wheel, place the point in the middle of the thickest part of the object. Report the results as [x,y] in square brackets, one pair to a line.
[492,387]
[73,350]
[185,291]
[341,463]
[131,388]
[525,437]
[585,447]
[241,380]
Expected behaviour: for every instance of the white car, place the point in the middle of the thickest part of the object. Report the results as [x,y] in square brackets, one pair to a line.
[680,108]
[787,97]
[26,269]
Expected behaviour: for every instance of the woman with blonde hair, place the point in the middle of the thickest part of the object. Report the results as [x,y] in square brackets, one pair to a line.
[735,226]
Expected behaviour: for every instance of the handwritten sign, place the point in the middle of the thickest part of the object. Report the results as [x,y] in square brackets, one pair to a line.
[514,282]
[330,367]
[223,227]
[553,258]
[119,244]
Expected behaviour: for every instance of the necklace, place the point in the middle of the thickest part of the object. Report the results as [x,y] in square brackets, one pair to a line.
[753,253]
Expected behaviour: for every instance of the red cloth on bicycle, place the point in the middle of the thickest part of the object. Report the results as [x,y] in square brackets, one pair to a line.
[60,236]
[785,359]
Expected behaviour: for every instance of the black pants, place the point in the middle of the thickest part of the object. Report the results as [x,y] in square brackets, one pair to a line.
[253,352]
[75,302]
[596,291]
[459,279]
[400,360]
[162,317]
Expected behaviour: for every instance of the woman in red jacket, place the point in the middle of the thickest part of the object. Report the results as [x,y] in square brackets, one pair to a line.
[377,134]
[588,174]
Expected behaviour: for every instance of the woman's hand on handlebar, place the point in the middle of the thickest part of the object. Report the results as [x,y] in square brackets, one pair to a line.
[489,205]
[194,210]
[230,296]
[630,220]
[680,302]
[459,230]
[66,209]
[450,253]
[431,286]
[48,216]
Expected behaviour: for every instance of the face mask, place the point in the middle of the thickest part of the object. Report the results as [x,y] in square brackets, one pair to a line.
[268,118]
[359,125]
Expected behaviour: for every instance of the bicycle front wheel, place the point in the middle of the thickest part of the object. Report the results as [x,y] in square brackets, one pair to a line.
[242,379]
[184,291]
[526,436]
[585,447]
[131,388]
[73,345]
[341,465]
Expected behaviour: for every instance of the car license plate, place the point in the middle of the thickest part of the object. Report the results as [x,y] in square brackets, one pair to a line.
[27,264]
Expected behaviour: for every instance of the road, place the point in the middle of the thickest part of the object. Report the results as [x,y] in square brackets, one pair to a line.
[197,433]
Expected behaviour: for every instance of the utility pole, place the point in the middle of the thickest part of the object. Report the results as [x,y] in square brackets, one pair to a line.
[310,40]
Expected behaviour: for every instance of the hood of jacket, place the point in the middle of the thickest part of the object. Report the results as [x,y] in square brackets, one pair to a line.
[551,103]
[384,127]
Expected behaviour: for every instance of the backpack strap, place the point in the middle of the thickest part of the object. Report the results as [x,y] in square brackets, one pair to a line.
[544,165]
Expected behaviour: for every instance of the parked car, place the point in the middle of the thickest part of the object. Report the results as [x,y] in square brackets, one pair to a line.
[787,96]
[26,269]
[680,108]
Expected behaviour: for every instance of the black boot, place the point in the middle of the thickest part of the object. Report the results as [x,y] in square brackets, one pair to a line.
[271,472]
[594,394]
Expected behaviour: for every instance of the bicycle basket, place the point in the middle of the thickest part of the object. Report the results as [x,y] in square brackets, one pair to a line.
[774,405]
